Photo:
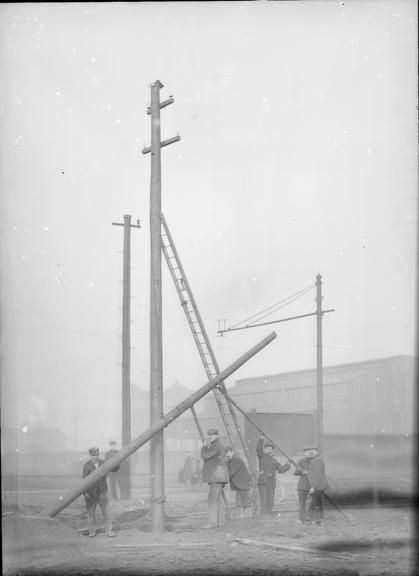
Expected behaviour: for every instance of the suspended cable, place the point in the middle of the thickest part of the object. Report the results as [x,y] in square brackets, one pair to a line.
[279,307]
[303,290]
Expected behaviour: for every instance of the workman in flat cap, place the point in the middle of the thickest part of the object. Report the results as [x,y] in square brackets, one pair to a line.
[303,485]
[215,474]
[97,494]
[318,484]
[268,467]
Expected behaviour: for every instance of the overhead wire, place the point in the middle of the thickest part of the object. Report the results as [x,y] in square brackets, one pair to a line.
[279,307]
[280,304]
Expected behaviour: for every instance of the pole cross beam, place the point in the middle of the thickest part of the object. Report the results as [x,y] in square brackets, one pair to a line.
[164,143]
[138,225]
[274,321]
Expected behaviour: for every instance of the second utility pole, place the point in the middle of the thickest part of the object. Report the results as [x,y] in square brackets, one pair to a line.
[126,350]
[319,369]
[157,497]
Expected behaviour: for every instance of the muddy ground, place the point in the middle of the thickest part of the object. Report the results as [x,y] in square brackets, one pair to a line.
[372,540]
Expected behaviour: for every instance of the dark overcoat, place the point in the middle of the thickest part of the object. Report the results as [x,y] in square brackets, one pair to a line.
[215,465]
[303,483]
[317,475]
[268,466]
[100,488]
[240,478]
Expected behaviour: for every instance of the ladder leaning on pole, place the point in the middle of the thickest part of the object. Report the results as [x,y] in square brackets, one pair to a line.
[205,350]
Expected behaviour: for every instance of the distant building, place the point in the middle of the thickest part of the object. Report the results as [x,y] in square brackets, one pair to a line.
[33,450]
[375,396]
[368,415]
[33,439]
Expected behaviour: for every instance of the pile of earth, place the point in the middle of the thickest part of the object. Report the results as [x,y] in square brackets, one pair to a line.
[36,541]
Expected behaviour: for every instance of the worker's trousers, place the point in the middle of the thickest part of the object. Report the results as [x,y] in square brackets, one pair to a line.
[315,510]
[302,499]
[91,504]
[216,503]
[266,495]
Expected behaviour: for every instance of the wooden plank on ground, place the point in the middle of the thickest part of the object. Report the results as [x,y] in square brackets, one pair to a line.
[290,548]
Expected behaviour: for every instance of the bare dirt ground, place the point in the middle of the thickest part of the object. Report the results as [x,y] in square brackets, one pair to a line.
[374,541]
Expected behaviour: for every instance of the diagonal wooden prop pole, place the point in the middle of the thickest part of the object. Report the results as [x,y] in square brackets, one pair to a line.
[146,436]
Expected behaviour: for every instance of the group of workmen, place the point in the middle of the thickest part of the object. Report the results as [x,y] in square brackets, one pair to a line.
[222,466]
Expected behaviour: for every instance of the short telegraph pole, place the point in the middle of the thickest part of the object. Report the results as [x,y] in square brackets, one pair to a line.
[156,344]
[319,349]
[319,369]
[126,348]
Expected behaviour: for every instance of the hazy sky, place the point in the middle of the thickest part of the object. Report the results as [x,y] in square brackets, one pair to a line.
[298,155]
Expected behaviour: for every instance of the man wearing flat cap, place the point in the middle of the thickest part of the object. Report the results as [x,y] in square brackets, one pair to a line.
[303,484]
[318,484]
[215,474]
[97,494]
[268,467]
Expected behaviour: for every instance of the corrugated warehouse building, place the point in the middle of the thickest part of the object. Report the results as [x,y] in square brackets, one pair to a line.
[368,416]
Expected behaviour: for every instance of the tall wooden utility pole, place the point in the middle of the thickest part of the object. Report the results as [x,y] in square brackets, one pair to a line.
[126,348]
[156,344]
[319,371]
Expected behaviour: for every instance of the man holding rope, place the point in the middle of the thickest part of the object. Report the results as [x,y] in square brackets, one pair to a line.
[318,484]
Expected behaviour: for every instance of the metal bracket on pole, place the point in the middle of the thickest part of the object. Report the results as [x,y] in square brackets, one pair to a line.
[159,499]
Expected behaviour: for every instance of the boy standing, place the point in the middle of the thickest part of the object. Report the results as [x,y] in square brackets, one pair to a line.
[240,481]
[303,484]
[268,467]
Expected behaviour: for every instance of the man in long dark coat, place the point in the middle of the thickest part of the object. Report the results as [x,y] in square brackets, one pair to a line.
[318,485]
[268,467]
[96,495]
[215,474]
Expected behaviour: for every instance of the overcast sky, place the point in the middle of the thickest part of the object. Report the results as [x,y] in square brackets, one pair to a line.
[297,155]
